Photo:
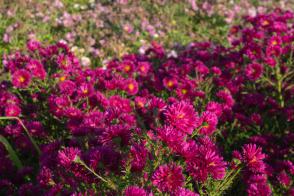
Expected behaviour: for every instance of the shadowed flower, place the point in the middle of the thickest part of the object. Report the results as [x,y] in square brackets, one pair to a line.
[184,192]
[206,161]
[37,69]
[168,178]
[254,71]
[138,156]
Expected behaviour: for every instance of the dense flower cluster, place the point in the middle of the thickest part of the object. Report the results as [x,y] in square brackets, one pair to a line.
[209,120]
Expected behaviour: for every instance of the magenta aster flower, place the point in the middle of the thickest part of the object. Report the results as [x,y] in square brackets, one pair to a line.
[258,188]
[168,178]
[131,86]
[204,162]
[12,110]
[284,179]
[36,68]
[143,68]
[182,116]
[170,83]
[172,137]
[33,45]
[21,78]
[67,87]
[215,108]
[138,156]
[68,155]
[135,191]
[209,121]
[254,71]
[253,157]
[184,192]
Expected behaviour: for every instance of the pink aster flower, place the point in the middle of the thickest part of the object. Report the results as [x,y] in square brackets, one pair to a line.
[143,68]
[85,90]
[172,137]
[254,71]
[209,121]
[284,179]
[168,178]
[36,69]
[135,191]
[206,161]
[253,157]
[67,87]
[182,116]
[127,66]
[214,107]
[33,45]
[68,155]
[131,86]
[184,192]
[12,110]
[21,78]
[170,83]
[138,156]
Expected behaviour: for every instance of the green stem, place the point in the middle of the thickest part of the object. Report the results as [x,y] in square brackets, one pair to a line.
[279,79]
[26,130]
[108,182]
[228,180]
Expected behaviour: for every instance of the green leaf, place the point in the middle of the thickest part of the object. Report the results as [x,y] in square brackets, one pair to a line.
[12,154]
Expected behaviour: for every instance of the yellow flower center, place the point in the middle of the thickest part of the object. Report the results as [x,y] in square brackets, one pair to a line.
[265,23]
[274,42]
[184,91]
[64,62]
[142,68]
[140,104]
[131,86]
[170,83]
[21,79]
[127,68]
[180,116]
[253,160]
[85,91]
[62,78]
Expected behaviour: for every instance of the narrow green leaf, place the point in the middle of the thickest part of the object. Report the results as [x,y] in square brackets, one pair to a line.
[12,154]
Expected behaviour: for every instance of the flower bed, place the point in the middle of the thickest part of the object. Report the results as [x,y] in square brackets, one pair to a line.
[204,120]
